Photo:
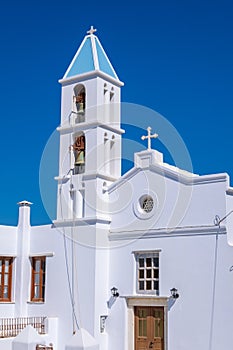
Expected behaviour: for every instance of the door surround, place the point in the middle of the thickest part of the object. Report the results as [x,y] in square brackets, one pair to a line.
[153,301]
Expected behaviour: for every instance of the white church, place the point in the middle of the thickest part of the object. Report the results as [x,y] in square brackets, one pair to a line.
[133,262]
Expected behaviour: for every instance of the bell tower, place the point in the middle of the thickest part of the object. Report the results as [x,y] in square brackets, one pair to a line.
[90,132]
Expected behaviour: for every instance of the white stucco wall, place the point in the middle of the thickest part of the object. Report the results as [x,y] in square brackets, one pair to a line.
[187,263]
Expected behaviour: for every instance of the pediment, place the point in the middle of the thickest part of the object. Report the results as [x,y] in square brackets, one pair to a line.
[158,196]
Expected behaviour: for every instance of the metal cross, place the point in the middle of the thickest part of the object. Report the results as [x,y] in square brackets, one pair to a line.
[149,137]
[91,30]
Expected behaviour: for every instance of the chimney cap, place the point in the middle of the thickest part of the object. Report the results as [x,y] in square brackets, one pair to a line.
[24,204]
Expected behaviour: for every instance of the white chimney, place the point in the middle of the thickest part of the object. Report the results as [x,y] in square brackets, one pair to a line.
[24,214]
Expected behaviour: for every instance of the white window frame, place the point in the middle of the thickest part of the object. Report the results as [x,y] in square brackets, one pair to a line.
[147,275]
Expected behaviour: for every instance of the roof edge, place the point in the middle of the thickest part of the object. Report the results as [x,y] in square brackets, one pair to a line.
[172,174]
[75,56]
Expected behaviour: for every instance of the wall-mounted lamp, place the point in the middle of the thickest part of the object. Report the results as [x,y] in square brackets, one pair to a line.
[174,293]
[115,292]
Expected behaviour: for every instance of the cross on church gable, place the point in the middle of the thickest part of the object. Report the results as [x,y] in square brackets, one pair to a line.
[149,137]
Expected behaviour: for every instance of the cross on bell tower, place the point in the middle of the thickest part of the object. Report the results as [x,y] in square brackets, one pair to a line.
[91,30]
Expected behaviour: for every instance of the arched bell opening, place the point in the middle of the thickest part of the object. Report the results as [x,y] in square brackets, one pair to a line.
[79,147]
[79,102]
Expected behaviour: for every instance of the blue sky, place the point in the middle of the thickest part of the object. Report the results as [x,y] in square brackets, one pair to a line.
[175,57]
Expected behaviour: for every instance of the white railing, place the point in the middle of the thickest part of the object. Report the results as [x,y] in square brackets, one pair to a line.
[11,327]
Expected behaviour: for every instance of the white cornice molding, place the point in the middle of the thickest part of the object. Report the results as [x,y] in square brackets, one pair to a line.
[41,254]
[8,255]
[173,174]
[90,75]
[82,222]
[146,300]
[145,252]
[95,175]
[189,178]
[188,231]
[123,179]
[86,176]
[65,129]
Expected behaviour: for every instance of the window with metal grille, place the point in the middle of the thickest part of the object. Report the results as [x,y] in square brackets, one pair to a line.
[5,278]
[147,204]
[148,272]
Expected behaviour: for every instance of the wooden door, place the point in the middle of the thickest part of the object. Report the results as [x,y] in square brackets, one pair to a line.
[149,328]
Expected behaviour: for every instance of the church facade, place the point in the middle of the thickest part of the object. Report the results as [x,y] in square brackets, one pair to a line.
[134,262]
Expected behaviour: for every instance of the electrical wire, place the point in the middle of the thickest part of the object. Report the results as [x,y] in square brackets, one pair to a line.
[71,292]
[72,235]
[214,288]
[217,222]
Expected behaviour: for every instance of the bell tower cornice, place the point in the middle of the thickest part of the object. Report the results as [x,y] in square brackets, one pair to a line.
[65,129]
[90,75]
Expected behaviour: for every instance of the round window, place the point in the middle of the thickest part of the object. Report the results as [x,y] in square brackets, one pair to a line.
[145,206]
[146,203]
